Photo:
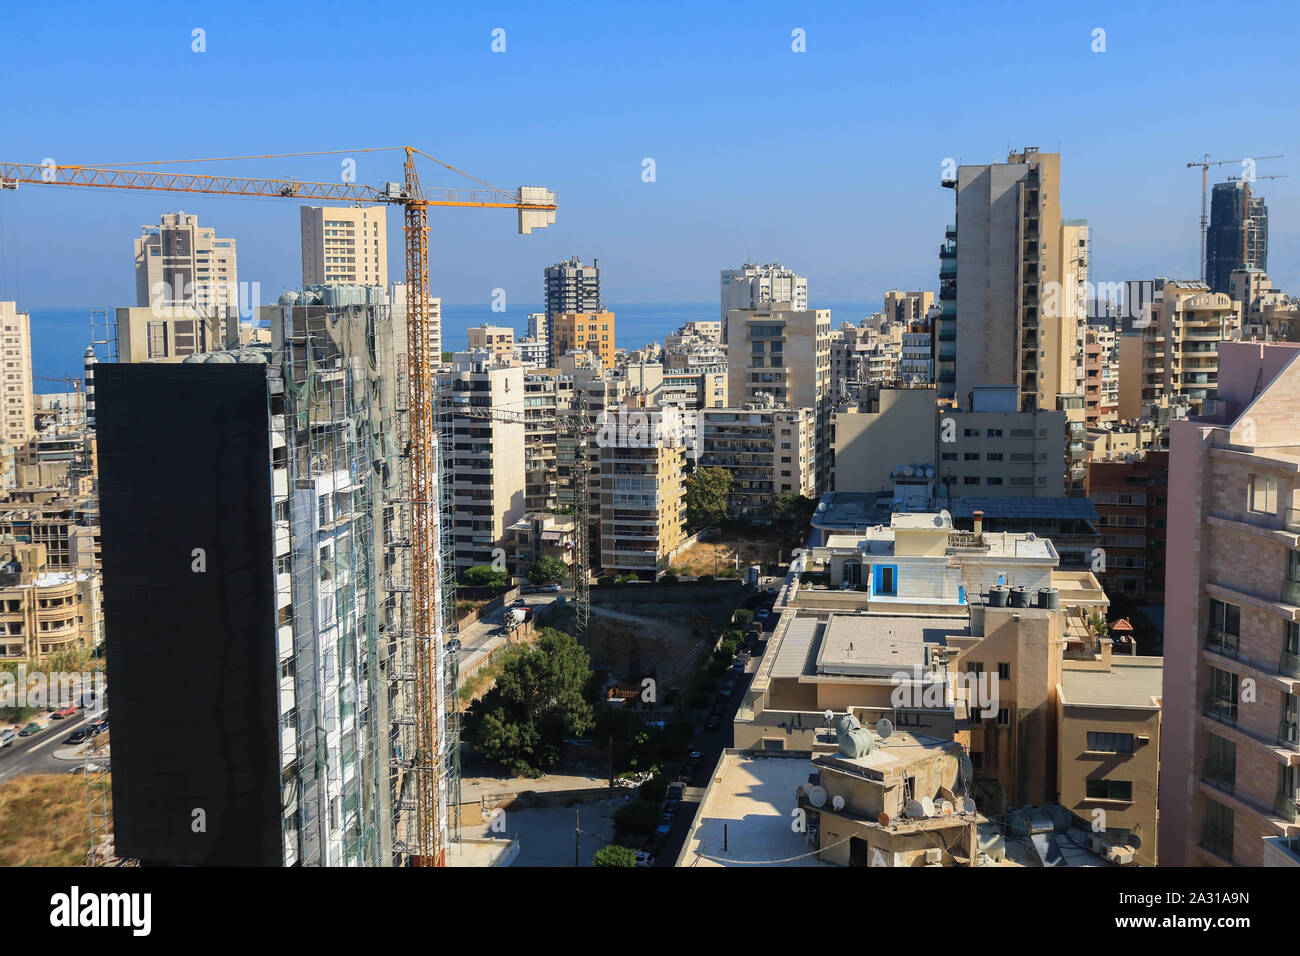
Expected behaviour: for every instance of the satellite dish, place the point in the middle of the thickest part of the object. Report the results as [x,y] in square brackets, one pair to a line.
[829,715]
[837,802]
[817,796]
[927,806]
[884,727]
[914,810]
[946,808]
[966,805]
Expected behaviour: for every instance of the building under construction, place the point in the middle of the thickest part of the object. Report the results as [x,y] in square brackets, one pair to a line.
[271,567]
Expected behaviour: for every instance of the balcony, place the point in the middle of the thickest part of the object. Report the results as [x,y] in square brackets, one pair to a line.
[1289,664]
[1291,592]
[1284,805]
[1221,642]
[1288,734]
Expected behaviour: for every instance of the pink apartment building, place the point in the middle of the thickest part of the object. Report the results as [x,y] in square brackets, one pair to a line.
[1230,744]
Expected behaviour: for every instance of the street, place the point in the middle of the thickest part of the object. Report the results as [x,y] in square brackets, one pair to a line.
[35,754]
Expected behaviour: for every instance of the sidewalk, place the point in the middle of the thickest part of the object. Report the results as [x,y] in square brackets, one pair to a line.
[474,788]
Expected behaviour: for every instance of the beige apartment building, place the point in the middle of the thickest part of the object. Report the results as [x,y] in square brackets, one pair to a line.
[1011,260]
[1175,352]
[16,419]
[43,611]
[546,395]
[992,450]
[908,308]
[539,535]
[144,335]
[1108,719]
[593,331]
[344,245]
[770,452]
[488,477]
[497,339]
[1231,761]
[642,491]
[179,263]
[777,350]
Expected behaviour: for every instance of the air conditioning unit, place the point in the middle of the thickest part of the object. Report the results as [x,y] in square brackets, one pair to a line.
[1121,855]
[934,857]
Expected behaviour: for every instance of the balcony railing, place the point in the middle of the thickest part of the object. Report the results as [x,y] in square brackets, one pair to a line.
[1285,807]
[1219,775]
[1221,642]
[1291,520]
[1288,734]
[1291,592]
[1289,664]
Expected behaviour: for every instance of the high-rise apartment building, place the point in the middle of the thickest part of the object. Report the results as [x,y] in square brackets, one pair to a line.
[778,350]
[546,395]
[572,287]
[1237,237]
[752,285]
[1229,771]
[1010,270]
[16,424]
[344,245]
[275,547]
[488,478]
[180,263]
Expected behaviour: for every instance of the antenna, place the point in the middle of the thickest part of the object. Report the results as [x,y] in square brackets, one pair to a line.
[884,728]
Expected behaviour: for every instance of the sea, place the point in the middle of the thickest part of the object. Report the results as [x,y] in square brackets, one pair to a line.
[60,335]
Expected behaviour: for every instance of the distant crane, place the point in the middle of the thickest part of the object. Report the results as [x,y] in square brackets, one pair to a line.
[1205,163]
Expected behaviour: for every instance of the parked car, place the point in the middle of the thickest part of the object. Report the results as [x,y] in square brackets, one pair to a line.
[30,729]
[665,824]
[65,712]
[763,614]
[528,589]
[7,737]
[670,803]
[713,723]
[99,726]
[549,589]
[80,735]
[644,858]
[518,602]
[452,645]
[771,592]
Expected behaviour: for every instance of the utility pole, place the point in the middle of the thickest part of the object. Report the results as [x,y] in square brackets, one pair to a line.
[577,837]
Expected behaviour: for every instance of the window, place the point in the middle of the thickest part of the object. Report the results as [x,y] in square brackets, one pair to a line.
[1004,717]
[970,480]
[972,456]
[1106,743]
[1004,671]
[1110,790]
[1263,494]
[1225,618]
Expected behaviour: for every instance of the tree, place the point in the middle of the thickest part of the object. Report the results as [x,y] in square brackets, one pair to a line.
[548,570]
[706,498]
[635,818]
[536,702]
[612,854]
[794,508]
[485,576]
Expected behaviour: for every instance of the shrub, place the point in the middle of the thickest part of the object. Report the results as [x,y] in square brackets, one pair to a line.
[743,617]
[605,579]
[612,854]
[668,577]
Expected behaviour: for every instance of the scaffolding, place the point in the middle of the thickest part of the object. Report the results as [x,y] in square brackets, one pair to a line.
[329,436]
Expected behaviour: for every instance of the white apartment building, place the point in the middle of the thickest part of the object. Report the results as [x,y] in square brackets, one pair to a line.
[752,285]
[16,375]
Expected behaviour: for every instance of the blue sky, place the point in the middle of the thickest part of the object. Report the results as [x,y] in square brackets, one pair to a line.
[828,160]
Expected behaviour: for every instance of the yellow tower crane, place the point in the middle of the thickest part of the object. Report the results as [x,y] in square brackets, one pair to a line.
[536,210]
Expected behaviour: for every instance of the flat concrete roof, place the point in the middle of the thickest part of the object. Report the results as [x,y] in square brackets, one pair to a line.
[1136,684]
[1024,545]
[891,756]
[871,645]
[751,797]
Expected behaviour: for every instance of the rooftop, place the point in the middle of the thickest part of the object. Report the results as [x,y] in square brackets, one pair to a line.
[1137,682]
[744,818]
[866,645]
